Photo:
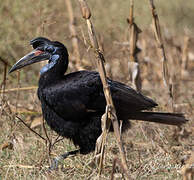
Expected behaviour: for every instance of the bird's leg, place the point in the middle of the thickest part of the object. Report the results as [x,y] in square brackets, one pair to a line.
[55,161]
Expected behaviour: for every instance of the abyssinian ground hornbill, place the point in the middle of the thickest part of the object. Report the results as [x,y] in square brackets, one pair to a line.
[73,104]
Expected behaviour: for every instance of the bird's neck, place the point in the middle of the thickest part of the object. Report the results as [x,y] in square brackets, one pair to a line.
[54,74]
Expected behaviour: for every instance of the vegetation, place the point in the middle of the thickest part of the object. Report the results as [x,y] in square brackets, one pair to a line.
[153,151]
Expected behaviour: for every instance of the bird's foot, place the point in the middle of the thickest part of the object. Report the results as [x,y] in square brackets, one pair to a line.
[55,161]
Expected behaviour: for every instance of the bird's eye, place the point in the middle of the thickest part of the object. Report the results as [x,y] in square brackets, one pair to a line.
[50,49]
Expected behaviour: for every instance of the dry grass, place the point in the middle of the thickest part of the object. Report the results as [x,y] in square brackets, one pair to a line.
[153,151]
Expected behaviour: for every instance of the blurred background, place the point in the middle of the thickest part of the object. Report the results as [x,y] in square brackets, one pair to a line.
[22,21]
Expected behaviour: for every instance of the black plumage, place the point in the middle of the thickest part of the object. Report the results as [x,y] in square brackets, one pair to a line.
[73,104]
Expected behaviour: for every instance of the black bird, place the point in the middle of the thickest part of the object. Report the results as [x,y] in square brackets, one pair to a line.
[73,104]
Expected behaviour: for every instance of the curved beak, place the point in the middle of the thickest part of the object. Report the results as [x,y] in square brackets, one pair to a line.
[32,57]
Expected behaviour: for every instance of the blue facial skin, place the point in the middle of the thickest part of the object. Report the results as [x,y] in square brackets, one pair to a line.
[48,66]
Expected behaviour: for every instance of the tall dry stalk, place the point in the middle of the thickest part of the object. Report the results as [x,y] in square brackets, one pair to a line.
[6,64]
[175,58]
[18,91]
[3,84]
[133,37]
[158,36]
[110,114]
[184,55]
[73,32]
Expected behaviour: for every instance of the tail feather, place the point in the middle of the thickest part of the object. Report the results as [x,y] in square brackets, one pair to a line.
[159,117]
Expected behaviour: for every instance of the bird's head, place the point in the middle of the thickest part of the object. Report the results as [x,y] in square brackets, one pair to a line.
[44,49]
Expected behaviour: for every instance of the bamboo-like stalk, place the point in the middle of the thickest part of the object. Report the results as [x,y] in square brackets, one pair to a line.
[133,37]
[111,112]
[73,34]
[157,32]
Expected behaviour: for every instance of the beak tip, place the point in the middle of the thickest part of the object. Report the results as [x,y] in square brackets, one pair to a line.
[10,71]
[13,68]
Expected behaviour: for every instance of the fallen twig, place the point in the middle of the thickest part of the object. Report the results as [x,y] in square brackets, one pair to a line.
[19,89]
[31,128]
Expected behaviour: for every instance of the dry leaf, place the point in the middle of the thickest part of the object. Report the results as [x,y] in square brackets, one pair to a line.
[6,145]
[36,122]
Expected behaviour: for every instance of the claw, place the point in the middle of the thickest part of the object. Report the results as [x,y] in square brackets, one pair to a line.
[55,163]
